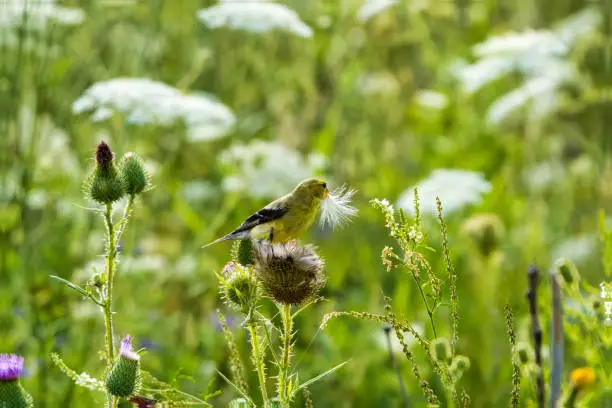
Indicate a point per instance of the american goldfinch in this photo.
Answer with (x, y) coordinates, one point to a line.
(286, 218)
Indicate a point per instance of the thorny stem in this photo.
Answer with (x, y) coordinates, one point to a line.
(258, 360)
(111, 252)
(283, 380)
(110, 266)
(114, 234)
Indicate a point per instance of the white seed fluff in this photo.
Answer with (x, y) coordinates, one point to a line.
(336, 209)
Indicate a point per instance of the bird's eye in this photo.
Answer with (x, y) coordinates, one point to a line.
(324, 185)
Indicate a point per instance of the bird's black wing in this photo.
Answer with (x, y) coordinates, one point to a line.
(262, 216)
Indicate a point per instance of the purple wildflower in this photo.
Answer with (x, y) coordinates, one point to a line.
(11, 367)
(126, 349)
(104, 156)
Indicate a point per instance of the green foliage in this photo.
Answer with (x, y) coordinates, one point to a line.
(517, 93)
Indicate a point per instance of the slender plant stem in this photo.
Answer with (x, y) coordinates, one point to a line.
(429, 311)
(387, 330)
(283, 377)
(258, 360)
(110, 266)
(127, 213)
(111, 252)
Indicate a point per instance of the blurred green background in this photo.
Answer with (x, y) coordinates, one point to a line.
(232, 106)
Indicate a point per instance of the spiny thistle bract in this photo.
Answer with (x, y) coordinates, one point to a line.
(124, 378)
(12, 394)
(242, 252)
(238, 288)
(289, 273)
(133, 175)
(103, 184)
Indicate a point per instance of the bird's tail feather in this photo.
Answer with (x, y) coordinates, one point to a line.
(232, 235)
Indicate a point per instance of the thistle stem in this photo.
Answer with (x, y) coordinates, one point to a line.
(110, 266)
(258, 361)
(111, 252)
(283, 377)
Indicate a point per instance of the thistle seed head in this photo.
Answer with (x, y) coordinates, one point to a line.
(289, 273)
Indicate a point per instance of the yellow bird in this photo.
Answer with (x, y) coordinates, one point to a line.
(287, 217)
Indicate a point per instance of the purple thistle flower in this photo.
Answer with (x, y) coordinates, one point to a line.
(104, 155)
(11, 367)
(126, 349)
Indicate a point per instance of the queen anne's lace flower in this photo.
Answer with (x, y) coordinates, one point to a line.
(266, 169)
(456, 189)
(145, 101)
(38, 14)
(540, 55)
(254, 16)
(371, 8)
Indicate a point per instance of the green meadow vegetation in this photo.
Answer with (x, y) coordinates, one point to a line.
(475, 134)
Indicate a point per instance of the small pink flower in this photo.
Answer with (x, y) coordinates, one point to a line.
(126, 349)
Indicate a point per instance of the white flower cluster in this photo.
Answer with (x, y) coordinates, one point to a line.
(371, 8)
(37, 14)
(388, 211)
(455, 188)
(414, 234)
(578, 248)
(145, 101)
(256, 16)
(540, 55)
(87, 381)
(267, 169)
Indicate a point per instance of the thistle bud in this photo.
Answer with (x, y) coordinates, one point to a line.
(238, 287)
(568, 271)
(12, 393)
(485, 230)
(289, 273)
(442, 350)
(124, 378)
(133, 175)
(103, 183)
(243, 252)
